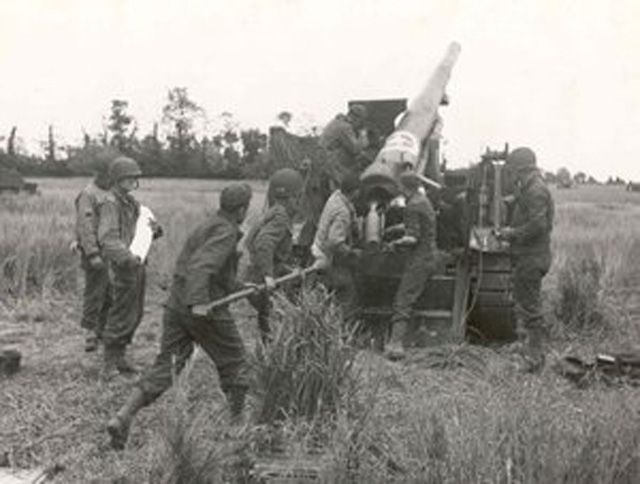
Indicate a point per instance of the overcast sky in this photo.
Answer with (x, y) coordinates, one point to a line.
(562, 76)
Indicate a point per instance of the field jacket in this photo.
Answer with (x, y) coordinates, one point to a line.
(117, 226)
(337, 227)
(343, 148)
(420, 223)
(532, 218)
(207, 265)
(269, 244)
(88, 203)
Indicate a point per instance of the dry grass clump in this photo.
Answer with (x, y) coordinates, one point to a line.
(306, 371)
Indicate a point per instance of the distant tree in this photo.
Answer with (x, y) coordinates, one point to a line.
(179, 115)
(549, 177)
(563, 178)
(580, 178)
(51, 145)
(11, 142)
(615, 181)
(592, 181)
(121, 126)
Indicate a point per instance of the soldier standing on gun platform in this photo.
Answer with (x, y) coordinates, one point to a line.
(118, 217)
(334, 245)
(530, 236)
(269, 242)
(345, 142)
(420, 241)
(96, 276)
(205, 271)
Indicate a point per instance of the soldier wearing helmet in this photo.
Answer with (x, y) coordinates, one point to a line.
(345, 140)
(269, 241)
(96, 288)
(419, 242)
(205, 270)
(529, 234)
(118, 217)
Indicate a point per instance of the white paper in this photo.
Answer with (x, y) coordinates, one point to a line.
(143, 237)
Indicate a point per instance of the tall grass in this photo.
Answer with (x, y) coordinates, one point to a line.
(306, 371)
(596, 259)
(35, 254)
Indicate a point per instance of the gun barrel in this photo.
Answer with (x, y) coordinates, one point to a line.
(421, 119)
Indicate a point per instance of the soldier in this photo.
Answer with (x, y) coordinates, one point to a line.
(334, 244)
(345, 141)
(530, 236)
(269, 242)
(420, 242)
(96, 277)
(118, 217)
(205, 271)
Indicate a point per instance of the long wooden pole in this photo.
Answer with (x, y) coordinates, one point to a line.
(244, 293)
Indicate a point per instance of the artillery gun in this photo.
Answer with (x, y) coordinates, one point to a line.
(471, 294)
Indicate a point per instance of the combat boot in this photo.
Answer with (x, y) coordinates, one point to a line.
(533, 355)
(110, 367)
(394, 350)
(91, 341)
(123, 366)
(119, 425)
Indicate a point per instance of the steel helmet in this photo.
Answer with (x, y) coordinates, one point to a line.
(358, 111)
(102, 160)
(124, 167)
(235, 196)
(285, 183)
(521, 159)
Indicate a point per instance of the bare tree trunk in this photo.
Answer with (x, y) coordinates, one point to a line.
(51, 145)
(11, 147)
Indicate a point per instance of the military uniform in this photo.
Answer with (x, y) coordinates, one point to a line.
(205, 271)
(333, 250)
(96, 289)
(532, 221)
(118, 217)
(420, 223)
(269, 243)
(343, 148)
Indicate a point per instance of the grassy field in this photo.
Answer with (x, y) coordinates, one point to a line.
(459, 414)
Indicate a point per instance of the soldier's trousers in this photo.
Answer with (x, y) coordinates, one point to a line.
(217, 335)
(339, 280)
(96, 297)
(127, 305)
(418, 270)
(528, 272)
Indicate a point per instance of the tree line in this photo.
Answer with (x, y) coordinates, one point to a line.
(173, 148)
